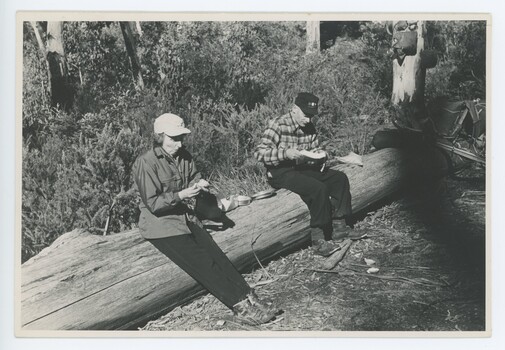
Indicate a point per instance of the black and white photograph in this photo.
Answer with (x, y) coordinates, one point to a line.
(268, 175)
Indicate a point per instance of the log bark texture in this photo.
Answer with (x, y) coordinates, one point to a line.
(84, 281)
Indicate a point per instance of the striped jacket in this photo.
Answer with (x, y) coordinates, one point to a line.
(283, 133)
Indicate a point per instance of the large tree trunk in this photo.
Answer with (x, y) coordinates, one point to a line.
(61, 93)
(43, 53)
(36, 31)
(131, 49)
(313, 37)
(85, 281)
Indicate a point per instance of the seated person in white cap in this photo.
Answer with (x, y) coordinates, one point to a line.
(166, 177)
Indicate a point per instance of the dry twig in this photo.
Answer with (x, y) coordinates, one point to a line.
(333, 260)
(253, 240)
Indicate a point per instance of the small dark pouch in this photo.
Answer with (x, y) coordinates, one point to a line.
(206, 207)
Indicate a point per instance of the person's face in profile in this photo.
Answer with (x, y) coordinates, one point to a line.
(171, 144)
(300, 118)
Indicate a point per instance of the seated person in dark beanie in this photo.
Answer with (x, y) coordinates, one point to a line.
(166, 178)
(325, 191)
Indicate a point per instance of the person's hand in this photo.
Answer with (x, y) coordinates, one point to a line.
(203, 185)
(189, 192)
(294, 154)
(318, 150)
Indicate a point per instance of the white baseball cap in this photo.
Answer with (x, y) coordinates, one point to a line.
(170, 124)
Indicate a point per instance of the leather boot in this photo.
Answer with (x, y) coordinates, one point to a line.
(255, 311)
(320, 245)
(324, 248)
(341, 231)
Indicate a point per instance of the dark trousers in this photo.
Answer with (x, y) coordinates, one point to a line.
(327, 194)
(201, 258)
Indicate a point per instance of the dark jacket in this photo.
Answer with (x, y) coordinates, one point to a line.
(159, 177)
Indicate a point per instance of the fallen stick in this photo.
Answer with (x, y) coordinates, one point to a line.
(421, 281)
(333, 260)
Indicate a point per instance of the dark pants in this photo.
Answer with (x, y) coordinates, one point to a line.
(327, 194)
(201, 258)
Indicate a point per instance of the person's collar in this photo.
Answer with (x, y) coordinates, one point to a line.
(161, 153)
(294, 124)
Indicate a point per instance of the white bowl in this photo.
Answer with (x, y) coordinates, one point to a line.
(243, 200)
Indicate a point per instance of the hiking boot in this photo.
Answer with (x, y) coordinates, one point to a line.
(338, 236)
(350, 234)
(324, 248)
(264, 303)
(341, 231)
(255, 311)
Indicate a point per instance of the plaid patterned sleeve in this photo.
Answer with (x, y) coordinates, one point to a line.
(268, 151)
(315, 143)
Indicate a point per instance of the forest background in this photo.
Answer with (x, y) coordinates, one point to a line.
(227, 80)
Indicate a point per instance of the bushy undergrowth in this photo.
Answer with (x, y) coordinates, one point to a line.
(227, 80)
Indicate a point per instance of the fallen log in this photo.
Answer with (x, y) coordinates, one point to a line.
(89, 282)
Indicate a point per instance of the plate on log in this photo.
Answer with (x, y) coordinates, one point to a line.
(263, 194)
(314, 155)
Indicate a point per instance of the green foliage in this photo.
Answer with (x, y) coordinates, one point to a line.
(229, 61)
(36, 105)
(82, 169)
(461, 72)
(377, 45)
(226, 79)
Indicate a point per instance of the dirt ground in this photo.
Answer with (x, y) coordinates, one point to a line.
(429, 247)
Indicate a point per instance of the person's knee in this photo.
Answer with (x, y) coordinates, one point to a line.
(306, 187)
(345, 179)
(320, 190)
(339, 176)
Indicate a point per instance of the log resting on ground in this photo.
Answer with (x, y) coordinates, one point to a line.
(89, 282)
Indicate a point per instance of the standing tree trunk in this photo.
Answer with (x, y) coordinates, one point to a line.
(313, 37)
(131, 49)
(139, 28)
(43, 51)
(42, 48)
(61, 93)
(408, 73)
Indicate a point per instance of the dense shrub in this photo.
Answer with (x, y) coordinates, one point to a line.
(461, 71)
